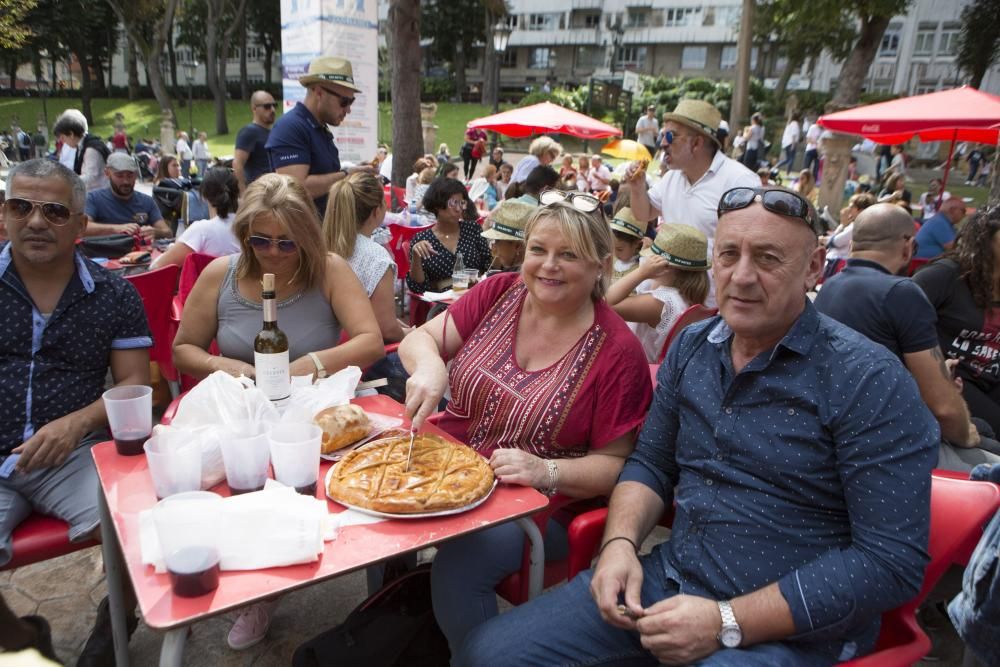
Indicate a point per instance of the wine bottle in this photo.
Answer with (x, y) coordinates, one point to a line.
(270, 348)
(459, 263)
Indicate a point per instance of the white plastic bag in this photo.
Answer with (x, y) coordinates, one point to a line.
(309, 399)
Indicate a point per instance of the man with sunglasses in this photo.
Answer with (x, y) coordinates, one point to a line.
(250, 158)
(301, 144)
(699, 173)
(65, 322)
(871, 297)
(797, 456)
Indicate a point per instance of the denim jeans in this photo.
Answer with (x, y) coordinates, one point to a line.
(789, 160)
(564, 627)
(466, 571)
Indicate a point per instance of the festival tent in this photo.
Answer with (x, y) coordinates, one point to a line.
(545, 118)
(958, 114)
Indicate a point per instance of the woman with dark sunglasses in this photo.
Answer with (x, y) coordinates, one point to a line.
(319, 296)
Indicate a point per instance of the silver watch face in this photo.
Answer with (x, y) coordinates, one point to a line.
(730, 637)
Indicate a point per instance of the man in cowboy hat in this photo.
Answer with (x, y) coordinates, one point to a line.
(699, 172)
(301, 144)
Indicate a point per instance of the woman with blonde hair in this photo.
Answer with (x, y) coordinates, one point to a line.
(838, 242)
(806, 186)
(546, 381)
(542, 151)
(357, 208)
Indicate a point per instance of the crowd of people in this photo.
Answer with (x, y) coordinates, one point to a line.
(795, 439)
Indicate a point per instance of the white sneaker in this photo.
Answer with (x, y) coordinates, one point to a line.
(251, 625)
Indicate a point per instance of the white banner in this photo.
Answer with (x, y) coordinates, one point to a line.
(343, 28)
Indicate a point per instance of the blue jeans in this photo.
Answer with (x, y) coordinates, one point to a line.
(812, 161)
(789, 160)
(466, 571)
(564, 627)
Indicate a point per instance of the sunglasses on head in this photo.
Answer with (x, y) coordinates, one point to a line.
(55, 213)
(581, 201)
(265, 243)
(344, 101)
(781, 202)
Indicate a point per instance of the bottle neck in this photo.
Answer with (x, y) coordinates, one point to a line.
(270, 305)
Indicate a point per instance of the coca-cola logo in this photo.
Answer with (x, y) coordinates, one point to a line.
(871, 128)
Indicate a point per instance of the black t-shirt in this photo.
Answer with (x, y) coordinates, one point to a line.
(252, 138)
(966, 332)
(888, 309)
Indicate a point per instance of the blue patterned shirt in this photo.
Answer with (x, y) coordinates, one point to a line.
(52, 364)
(810, 467)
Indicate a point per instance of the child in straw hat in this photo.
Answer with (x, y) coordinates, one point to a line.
(506, 233)
(628, 233)
(672, 276)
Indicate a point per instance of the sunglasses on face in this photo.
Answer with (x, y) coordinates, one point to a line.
(265, 243)
(670, 136)
(781, 202)
(344, 101)
(270, 105)
(55, 213)
(581, 201)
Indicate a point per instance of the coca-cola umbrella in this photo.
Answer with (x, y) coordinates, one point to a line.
(958, 114)
(545, 118)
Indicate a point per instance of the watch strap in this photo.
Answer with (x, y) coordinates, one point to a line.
(320, 368)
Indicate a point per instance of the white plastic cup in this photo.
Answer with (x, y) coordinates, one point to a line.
(175, 466)
(295, 450)
(473, 276)
(246, 457)
(187, 526)
(130, 416)
(460, 281)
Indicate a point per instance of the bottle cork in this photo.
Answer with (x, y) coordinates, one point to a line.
(268, 282)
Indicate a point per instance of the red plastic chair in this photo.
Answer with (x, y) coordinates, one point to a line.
(157, 291)
(916, 264)
(39, 538)
(194, 264)
(695, 313)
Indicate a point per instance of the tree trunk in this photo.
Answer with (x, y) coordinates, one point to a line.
(852, 74)
(12, 73)
(268, 59)
(741, 91)
(172, 59)
(97, 69)
(212, 68)
(151, 50)
(112, 39)
(459, 72)
(244, 84)
(790, 68)
(491, 87)
(407, 137)
(994, 198)
(133, 71)
(86, 89)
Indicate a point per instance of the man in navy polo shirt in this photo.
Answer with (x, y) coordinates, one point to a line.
(65, 323)
(300, 143)
(250, 158)
(872, 299)
(119, 209)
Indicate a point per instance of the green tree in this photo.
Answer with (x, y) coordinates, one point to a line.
(874, 17)
(264, 22)
(14, 32)
(979, 41)
(453, 27)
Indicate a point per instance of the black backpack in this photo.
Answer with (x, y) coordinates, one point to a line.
(395, 627)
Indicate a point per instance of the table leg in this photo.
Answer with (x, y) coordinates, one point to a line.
(113, 571)
(172, 651)
(536, 573)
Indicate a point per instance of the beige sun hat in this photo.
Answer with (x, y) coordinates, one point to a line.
(697, 115)
(509, 220)
(625, 222)
(330, 69)
(682, 246)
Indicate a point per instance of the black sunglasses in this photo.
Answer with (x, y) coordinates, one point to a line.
(269, 105)
(265, 243)
(21, 209)
(581, 201)
(782, 202)
(344, 101)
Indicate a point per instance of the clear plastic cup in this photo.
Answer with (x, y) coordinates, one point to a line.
(295, 452)
(459, 281)
(174, 465)
(130, 416)
(473, 276)
(187, 526)
(246, 457)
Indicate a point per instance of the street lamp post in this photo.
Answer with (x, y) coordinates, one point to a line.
(189, 69)
(501, 38)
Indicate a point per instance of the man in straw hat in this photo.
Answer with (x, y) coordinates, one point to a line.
(300, 144)
(799, 456)
(871, 298)
(506, 234)
(699, 172)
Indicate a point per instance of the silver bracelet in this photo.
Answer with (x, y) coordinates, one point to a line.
(553, 469)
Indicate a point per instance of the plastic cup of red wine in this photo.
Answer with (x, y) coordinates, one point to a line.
(295, 452)
(130, 416)
(246, 456)
(187, 529)
(174, 465)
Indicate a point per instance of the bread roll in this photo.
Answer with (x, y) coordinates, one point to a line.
(342, 425)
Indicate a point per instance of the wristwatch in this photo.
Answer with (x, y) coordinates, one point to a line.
(730, 636)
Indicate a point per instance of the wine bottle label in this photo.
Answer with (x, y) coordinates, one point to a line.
(272, 374)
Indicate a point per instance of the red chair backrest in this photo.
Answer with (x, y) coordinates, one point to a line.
(695, 313)
(399, 245)
(157, 291)
(194, 264)
(916, 264)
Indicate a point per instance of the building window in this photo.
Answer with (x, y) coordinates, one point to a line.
(694, 57)
(924, 88)
(589, 57)
(542, 58)
(923, 45)
(890, 41)
(509, 59)
(542, 21)
(948, 46)
(682, 16)
(512, 21)
(637, 18)
(728, 59)
(728, 17)
(631, 56)
(591, 20)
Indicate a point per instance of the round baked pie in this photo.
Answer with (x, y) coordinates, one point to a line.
(443, 475)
